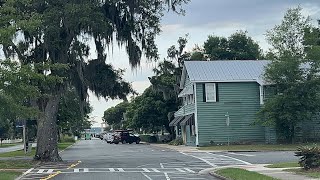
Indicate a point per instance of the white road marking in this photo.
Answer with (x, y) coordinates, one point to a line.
(85, 170)
(161, 165)
(247, 163)
(50, 171)
(211, 164)
(155, 170)
(180, 170)
(29, 170)
(111, 170)
(149, 178)
(120, 170)
(40, 171)
(166, 175)
(189, 170)
(238, 154)
(145, 170)
(76, 170)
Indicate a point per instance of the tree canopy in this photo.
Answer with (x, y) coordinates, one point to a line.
(238, 46)
(64, 31)
(294, 76)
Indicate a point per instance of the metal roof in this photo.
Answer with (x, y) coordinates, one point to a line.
(226, 70)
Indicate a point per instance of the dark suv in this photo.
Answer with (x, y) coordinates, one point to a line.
(124, 136)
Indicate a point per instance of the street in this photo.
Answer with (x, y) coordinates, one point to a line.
(96, 159)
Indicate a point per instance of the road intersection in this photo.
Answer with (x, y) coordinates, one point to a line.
(95, 159)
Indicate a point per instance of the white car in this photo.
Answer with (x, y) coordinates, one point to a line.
(108, 137)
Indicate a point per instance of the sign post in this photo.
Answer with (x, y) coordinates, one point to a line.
(228, 126)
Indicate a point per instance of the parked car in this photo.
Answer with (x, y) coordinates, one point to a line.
(109, 137)
(124, 136)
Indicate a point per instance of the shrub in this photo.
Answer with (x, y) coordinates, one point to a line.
(67, 139)
(309, 156)
(176, 142)
(148, 138)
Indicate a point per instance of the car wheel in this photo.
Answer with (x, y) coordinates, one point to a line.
(138, 141)
(130, 142)
(124, 142)
(116, 142)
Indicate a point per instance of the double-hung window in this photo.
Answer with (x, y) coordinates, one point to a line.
(210, 89)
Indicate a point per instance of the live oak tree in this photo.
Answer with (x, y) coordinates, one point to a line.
(294, 73)
(64, 31)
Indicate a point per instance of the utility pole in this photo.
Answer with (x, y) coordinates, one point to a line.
(24, 138)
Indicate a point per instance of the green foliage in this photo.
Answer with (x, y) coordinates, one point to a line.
(148, 138)
(58, 32)
(67, 139)
(114, 115)
(296, 78)
(309, 157)
(239, 46)
(73, 114)
(176, 142)
(288, 37)
(149, 111)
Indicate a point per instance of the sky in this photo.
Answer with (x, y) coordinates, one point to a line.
(203, 18)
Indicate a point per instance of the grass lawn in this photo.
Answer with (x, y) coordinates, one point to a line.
(16, 164)
(61, 146)
(9, 175)
(283, 165)
(9, 145)
(256, 147)
(310, 173)
(241, 174)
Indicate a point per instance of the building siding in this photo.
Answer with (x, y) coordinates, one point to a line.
(241, 102)
(185, 110)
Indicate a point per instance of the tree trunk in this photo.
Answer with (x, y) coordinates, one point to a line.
(47, 134)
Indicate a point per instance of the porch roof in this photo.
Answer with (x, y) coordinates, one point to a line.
(186, 119)
(175, 121)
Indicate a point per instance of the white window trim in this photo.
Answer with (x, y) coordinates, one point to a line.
(215, 93)
(261, 93)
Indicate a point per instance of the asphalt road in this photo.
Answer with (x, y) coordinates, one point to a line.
(96, 159)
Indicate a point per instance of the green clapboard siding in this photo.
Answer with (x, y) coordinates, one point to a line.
(185, 110)
(241, 102)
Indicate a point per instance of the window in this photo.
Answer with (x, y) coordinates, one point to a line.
(210, 92)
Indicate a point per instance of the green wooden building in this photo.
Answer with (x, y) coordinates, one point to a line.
(220, 103)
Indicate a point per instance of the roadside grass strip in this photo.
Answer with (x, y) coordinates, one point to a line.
(16, 164)
(9, 175)
(255, 147)
(313, 173)
(9, 145)
(61, 147)
(283, 165)
(241, 174)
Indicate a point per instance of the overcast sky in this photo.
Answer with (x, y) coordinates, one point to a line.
(205, 17)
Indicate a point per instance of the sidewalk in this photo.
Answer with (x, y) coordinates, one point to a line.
(272, 172)
(276, 172)
(182, 148)
(14, 148)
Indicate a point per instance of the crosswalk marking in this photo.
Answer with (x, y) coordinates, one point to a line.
(146, 170)
(180, 170)
(155, 170)
(50, 171)
(76, 170)
(189, 170)
(112, 170)
(41, 171)
(85, 170)
(120, 170)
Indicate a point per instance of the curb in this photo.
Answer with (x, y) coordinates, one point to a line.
(67, 147)
(218, 176)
